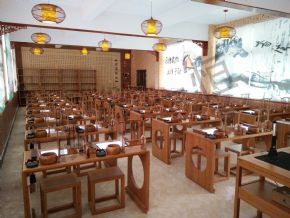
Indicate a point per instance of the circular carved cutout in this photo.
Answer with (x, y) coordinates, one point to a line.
(198, 159)
(138, 172)
(159, 139)
(179, 128)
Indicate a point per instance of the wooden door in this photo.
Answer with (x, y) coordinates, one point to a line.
(141, 79)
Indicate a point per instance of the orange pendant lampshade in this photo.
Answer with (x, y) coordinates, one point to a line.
(40, 38)
(36, 50)
(225, 32)
(105, 45)
(151, 27)
(48, 13)
(159, 47)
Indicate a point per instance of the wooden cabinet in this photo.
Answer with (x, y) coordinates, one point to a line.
(64, 80)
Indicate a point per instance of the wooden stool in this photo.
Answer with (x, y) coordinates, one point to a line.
(226, 156)
(239, 150)
(148, 127)
(103, 175)
(177, 134)
(174, 137)
(45, 173)
(57, 183)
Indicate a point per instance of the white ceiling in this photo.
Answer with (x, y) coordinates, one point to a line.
(181, 19)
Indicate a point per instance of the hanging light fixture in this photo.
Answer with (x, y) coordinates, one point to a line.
(160, 46)
(84, 51)
(48, 13)
(151, 27)
(225, 32)
(40, 38)
(36, 50)
(105, 45)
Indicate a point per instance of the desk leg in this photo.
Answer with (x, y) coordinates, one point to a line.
(139, 195)
(237, 199)
(268, 141)
(26, 198)
(26, 146)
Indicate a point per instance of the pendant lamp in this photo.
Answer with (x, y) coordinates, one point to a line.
(160, 46)
(40, 38)
(36, 50)
(48, 13)
(105, 45)
(225, 32)
(151, 27)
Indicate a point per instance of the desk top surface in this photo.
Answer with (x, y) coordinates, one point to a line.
(80, 158)
(263, 168)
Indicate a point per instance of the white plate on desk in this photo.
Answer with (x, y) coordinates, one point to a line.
(62, 151)
(249, 112)
(50, 131)
(283, 121)
(209, 131)
(44, 111)
(104, 145)
(166, 119)
(49, 119)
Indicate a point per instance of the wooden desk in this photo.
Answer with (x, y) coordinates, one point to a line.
(48, 121)
(140, 116)
(83, 119)
(57, 135)
(122, 115)
(206, 148)
(162, 149)
(52, 135)
(258, 193)
(283, 129)
(278, 115)
(139, 195)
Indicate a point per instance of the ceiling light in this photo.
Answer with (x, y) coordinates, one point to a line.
(160, 46)
(105, 45)
(151, 27)
(40, 38)
(48, 13)
(36, 50)
(225, 32)
(84, 51)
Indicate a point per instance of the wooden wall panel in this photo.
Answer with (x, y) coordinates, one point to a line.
(106, 64)
(145, 60)
(6, 123)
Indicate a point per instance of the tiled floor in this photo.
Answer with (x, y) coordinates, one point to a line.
(171, 193)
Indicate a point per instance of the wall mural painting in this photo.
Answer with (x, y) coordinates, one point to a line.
(8, 66)
(2, 81)
(182, 66)
(255, 62)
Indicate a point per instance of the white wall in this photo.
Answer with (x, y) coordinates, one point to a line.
(278, 5)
